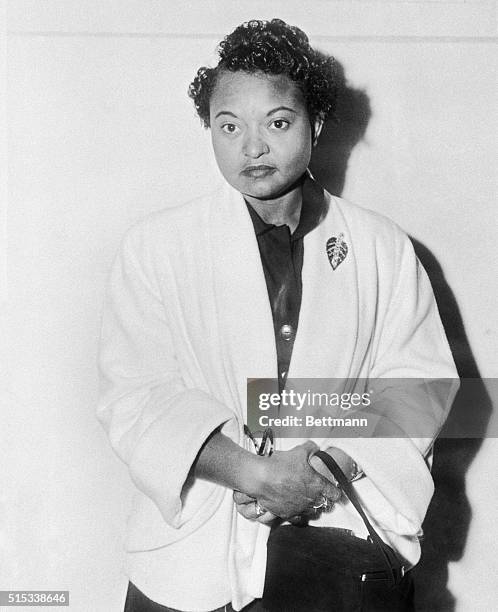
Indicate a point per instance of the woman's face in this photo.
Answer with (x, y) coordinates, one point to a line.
(260, 132)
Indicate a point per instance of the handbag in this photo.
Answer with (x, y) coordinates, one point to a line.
(323, 569)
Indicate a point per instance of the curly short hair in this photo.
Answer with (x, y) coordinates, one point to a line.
(272, 47)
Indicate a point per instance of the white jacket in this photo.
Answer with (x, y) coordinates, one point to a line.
(188, 320)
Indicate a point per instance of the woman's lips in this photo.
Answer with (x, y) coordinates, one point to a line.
(258, 171)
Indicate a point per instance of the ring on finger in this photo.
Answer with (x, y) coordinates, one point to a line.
(324, 504)
(259, 510)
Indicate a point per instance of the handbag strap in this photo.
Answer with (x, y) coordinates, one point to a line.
(396, 569)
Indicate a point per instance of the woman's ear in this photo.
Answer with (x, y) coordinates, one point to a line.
(316, 132)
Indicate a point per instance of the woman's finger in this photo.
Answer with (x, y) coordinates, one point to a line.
(253, 513)
(267, 518)
(242, 498)
(247, 511)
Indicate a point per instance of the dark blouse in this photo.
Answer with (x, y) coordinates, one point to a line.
(282, 256)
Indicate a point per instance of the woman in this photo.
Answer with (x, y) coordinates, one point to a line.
(270, 278)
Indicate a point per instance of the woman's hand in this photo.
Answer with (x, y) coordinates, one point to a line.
(288, 486)
(284, 484)
(251, 510)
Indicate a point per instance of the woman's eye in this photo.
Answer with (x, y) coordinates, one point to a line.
(229, 128)
(280, 124)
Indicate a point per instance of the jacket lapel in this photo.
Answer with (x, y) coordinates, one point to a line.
(329, 318)
(243, 306)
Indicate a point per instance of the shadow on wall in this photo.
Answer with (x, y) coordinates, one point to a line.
(449, 515)
(447, 522)
(340, 135)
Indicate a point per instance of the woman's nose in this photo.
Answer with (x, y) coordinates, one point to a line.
(254, 145)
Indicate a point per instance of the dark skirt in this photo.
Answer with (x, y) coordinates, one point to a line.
(303, 576)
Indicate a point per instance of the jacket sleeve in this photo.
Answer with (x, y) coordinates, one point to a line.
(413, 382)
(156, 424)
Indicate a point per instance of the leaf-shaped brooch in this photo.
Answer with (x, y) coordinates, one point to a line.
(337, 249)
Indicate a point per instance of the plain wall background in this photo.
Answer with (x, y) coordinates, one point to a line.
(100, 132)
